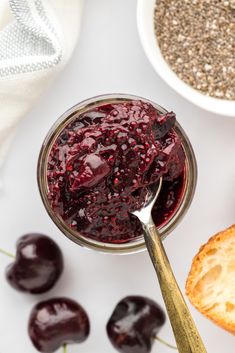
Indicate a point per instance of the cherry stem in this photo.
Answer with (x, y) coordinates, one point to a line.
(165, 343)
(7, 253)
(65, 348)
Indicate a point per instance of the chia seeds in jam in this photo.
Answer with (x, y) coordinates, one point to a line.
(101, 164)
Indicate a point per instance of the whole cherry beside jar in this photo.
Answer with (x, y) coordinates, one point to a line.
(97, 162)
(134, 325)
(57, 322)
(37, 265)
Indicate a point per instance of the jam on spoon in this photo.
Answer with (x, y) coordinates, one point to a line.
(101, 164)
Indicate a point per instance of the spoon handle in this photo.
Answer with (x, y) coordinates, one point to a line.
(186, 334)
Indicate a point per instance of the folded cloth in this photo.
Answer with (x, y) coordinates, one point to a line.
(37, 38)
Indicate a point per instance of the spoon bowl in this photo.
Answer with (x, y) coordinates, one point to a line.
(145, 212)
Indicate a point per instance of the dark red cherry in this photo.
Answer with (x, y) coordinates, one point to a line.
(134, 324)
(164, 124)
(57, 322)
(38, 264)
(92, 169)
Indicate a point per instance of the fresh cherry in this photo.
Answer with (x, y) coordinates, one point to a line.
(134, 324)
(38, 264)
(57, 322)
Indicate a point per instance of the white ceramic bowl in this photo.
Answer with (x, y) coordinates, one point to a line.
(145, 22)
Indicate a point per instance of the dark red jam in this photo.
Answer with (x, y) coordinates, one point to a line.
(101, 164)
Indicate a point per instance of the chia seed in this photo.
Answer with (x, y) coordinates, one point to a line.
(197, 40)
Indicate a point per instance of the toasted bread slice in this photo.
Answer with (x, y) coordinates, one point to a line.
(211, 282)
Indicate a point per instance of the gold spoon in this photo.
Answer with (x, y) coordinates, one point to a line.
(186, 334)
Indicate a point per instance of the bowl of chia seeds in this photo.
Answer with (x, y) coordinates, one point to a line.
(191, 45)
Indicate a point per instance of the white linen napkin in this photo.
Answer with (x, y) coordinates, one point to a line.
(37, 38)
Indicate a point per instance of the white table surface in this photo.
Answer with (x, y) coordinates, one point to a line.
(109, 58)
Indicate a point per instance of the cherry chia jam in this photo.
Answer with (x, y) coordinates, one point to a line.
(101, 163)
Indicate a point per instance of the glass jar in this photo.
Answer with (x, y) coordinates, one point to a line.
(134, 245)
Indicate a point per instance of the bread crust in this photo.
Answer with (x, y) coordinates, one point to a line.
(195, 270)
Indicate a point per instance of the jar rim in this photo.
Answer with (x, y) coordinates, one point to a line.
(134, 245)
